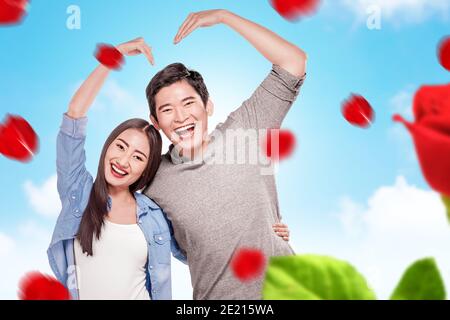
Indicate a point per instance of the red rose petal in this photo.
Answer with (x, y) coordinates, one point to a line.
(12, 11)
(431, 134)
(37, 286)
(294, 9)
(357, 111)
(279, 144)
(432, 100)
(109, 56)
(444, 53)
(18, 140)
(248, 264)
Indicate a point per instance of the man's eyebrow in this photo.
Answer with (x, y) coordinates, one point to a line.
(129, 146)
(168, 104)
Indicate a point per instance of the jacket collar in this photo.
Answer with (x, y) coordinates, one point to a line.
(143, 204)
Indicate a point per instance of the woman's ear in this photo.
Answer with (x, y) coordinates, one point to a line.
(154, 122)
(210, 107)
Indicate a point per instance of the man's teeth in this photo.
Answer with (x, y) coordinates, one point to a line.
(184, 130)
(117, 170)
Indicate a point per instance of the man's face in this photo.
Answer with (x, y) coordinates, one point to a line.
(182, 116)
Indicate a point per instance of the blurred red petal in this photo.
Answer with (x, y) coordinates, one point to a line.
(279, 144)
(18, 140)
(248, 264)
(444, 53)
(357, 111)
(109, 56)
(294, 9)
(37, 286)
(12, 11)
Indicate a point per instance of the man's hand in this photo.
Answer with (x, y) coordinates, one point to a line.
(282, 230)
(199, 19)
(135, 47)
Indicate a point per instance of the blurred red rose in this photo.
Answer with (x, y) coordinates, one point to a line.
(431, 134)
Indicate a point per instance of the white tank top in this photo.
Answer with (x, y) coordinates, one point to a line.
(116, 271)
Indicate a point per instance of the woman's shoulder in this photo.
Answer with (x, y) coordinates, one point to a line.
(145, 202)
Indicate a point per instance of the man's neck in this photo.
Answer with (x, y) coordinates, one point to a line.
(194, 153)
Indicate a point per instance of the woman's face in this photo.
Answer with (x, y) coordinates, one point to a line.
(126, 158)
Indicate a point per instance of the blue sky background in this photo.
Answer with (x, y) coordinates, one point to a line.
(42, 62)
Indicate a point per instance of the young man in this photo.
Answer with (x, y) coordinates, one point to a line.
(218, 203)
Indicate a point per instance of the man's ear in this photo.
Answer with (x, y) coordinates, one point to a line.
(154, 122)
(210, 107)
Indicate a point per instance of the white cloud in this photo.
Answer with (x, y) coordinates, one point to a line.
(27, 252)
(44, 198)
(6, 245)
(398, 225)
(401, 11)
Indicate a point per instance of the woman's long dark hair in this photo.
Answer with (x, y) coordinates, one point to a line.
(96, 209)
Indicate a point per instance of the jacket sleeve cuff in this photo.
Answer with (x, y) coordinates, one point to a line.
(75, 128)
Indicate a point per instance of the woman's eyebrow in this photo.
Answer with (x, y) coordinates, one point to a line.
(124, 142)
(129, 146)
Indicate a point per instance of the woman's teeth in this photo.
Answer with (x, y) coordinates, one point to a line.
(118, 171)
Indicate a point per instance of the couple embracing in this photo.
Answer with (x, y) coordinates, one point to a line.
(115, 235)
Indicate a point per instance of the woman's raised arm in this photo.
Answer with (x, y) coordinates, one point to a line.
(85, 95)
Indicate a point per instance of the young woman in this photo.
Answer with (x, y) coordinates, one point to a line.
(110, 241)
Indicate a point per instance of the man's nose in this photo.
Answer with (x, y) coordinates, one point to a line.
(181, 115)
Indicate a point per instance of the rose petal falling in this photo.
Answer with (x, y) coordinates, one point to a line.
(248, 264)
(12, 11)
(357, 111)
(109, 56)
(295, 9)
(18, 140)
(444, 53)
(279, 144)
(38, 286)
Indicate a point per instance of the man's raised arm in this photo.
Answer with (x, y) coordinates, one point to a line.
(276, 49)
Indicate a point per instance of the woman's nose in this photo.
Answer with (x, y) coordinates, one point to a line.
(124, 161)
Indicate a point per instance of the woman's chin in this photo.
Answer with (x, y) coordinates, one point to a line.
(112, 182)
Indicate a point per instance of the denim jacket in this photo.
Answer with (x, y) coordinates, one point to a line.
(74, 187)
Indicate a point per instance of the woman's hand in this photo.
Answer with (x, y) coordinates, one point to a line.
(199, 19)
(85, 95)
(135, 47)
(282, 230)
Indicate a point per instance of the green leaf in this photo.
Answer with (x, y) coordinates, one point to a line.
(446, 201)
(421, 281)
(312, 277)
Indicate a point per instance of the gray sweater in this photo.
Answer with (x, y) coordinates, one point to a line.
(227, 200)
